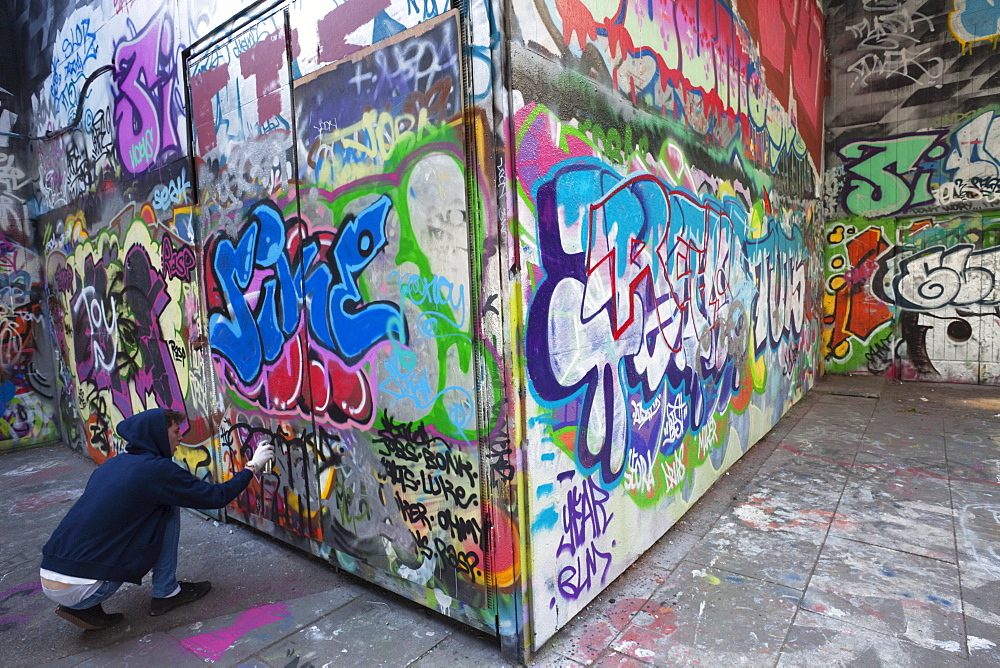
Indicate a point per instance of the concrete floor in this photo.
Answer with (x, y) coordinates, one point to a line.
(863, 530)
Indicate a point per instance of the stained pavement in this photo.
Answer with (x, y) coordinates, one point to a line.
(863, 530)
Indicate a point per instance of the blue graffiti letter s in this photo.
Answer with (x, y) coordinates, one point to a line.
(241, 339)
(353, 326)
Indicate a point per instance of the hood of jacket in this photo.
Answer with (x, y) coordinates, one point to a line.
(146, 433)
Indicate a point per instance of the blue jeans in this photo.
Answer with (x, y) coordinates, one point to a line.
(164, 569)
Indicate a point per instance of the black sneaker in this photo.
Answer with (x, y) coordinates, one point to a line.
(189, 593)
(90, 619)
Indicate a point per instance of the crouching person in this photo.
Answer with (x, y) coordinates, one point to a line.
(128, 522)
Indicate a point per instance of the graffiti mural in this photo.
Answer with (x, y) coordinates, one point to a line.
(696, 63)
(27, 382)
(26, 371)
(496, 299)
(914, 298)
(890, 37)
(974, 21)
(654, 313)
(668, 242)
(922, 142)
(148, 103)
(398, 312)
(910, 189)
(118, 305)
(340, 305)
(923, 171)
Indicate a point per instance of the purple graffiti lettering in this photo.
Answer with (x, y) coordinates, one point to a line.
(575, 579)
(177, 261)
(146, 296)
(64, 279)
(656, 284)
(584, 517)
(145, 107)
(119, 340)
(249, 337)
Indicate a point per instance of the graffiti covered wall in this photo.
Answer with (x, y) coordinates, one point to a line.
(912, 179)
(111, 188)
(914, 298)
(273, 234)
(341, 305)
(27, 383)
(668, 238)
(497, 300)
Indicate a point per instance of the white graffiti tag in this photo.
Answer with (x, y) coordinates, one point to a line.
(889, 35)
(103, 328)
(976, 149)
(639, 474)
(938, 277)
(641, 414)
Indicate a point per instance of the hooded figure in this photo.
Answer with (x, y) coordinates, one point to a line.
(127, 522)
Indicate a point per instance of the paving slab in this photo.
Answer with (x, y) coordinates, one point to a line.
(363, 632)
(934, 396)
(909, 511)
(982, 627)
(857, 385)
(977, 522)
(615, 660)
(973, 457)
(824, 434)
(859, 403)
(755, 552)
(905, 424)
(236, 637)
(817, 452)
(819, 640)
(794, 512)
(791, 471)
(948, 400)
(155, 649)
(924, 450)
(465, 649)
(589, 635)
(550, 659)
(710, 616)
(902, 465)
(977, 530)
(848, 411)
(894, 593)
(957, 424)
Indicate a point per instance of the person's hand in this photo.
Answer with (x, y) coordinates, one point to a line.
(262, 455)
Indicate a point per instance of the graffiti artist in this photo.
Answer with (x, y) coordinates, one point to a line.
(128, 522)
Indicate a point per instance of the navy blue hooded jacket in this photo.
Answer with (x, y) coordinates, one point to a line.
(115, 530)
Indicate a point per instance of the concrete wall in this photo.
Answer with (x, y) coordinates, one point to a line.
(911, 191)
(27, 381)
(293, 252)
(509, 287)
(341, 298)
(667, 235)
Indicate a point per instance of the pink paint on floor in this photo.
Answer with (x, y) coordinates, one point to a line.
(214, 644)
(41, 501)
